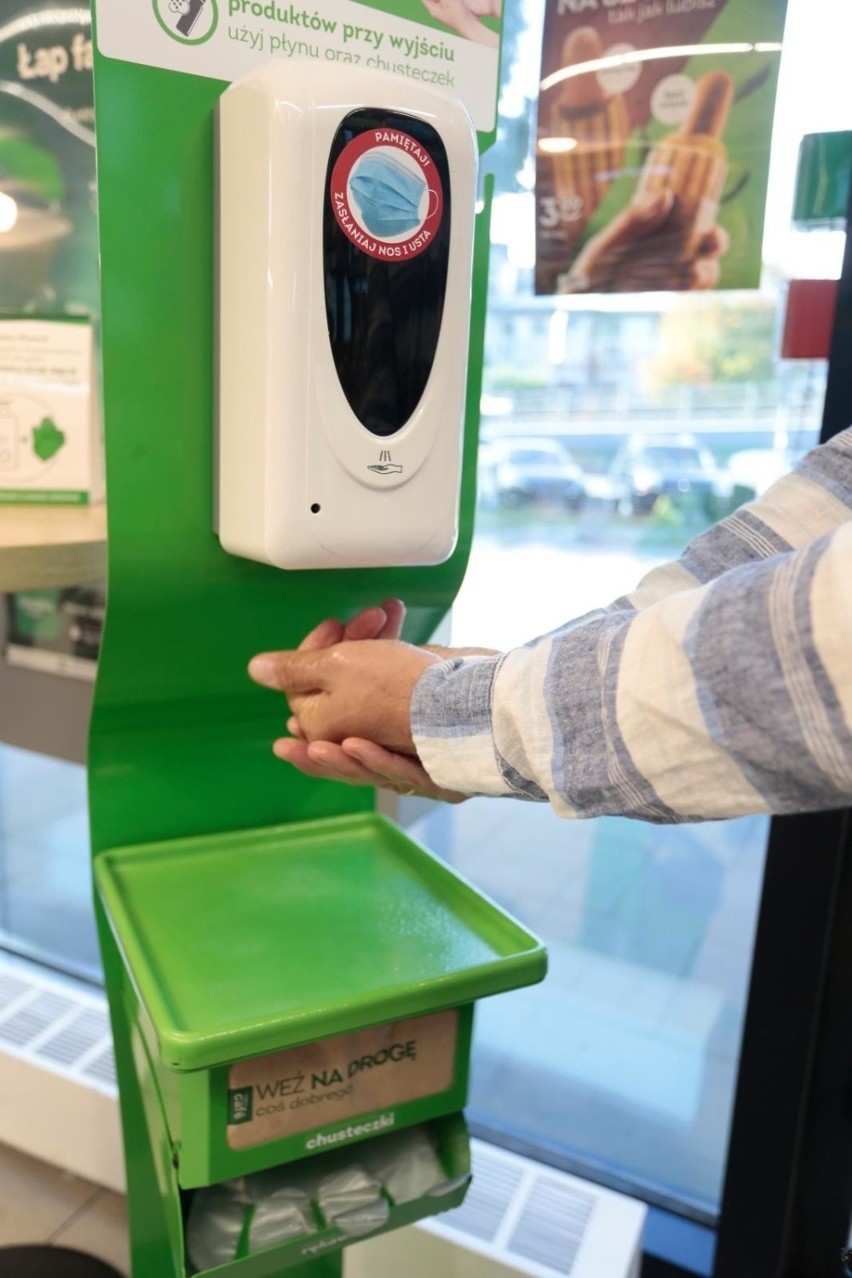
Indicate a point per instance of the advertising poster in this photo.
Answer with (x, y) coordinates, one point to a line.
(48, 229)
(652, 155)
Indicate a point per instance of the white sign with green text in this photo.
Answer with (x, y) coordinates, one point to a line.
(226, 39)
(49, 436)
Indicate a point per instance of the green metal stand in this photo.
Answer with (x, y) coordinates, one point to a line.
(248, 1042)
(180, 738)
(150, 1185)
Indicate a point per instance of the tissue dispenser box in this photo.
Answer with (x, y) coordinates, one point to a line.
(301, 988)
(330, 1201)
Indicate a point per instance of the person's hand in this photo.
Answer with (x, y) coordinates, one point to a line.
(641, 250)
(382, 621)
(462, 19)
(359, 687)
(357, 761)
(485, 8)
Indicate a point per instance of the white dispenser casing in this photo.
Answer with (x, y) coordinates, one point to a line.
(302, 481)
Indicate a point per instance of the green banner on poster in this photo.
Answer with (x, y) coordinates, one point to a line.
(652, 154)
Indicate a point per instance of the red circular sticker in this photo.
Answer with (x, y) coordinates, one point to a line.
(386, 195)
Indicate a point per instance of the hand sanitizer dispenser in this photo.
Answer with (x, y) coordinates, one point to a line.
(346, 211)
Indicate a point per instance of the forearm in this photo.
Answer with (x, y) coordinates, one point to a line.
(720, 700)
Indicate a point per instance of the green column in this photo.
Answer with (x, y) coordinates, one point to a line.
(180, 738)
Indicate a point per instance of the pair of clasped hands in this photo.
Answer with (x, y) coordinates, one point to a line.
(349, 688)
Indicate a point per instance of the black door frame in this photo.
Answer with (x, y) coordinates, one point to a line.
(787, 1199)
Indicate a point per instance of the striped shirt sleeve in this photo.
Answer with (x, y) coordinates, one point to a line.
(689, 700)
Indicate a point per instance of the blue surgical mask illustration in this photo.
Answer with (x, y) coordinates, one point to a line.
(388, 195)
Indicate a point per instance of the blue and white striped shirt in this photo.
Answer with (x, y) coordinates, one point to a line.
(721, 686)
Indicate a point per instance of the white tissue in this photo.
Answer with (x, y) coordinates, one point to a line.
(352, 1200)
(407, 1164)
(279, 1217)
(213, 1228)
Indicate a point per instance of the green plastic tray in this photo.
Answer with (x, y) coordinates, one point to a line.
(255, 941)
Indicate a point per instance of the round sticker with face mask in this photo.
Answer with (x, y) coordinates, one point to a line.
(387, 195)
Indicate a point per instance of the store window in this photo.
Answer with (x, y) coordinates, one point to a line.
(49, 453)
(46, 912)
(614, 429)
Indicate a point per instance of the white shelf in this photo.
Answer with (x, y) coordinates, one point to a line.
(46, 547)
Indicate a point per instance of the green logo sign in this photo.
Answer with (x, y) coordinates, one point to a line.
(187, 21)
(239, 1105)
(47, 439)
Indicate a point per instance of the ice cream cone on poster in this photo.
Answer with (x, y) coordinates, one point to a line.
(693, 164)
(586, 132)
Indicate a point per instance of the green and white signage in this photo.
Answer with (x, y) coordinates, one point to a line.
(49, 445)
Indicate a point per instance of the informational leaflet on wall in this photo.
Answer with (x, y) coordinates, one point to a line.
(652, 156)
(49, 444)
(226, 39)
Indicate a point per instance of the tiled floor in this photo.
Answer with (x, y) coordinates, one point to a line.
(39, 1204)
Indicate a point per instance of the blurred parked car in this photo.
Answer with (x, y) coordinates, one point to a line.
(752, 470)
(676, 466)
(520, 472)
